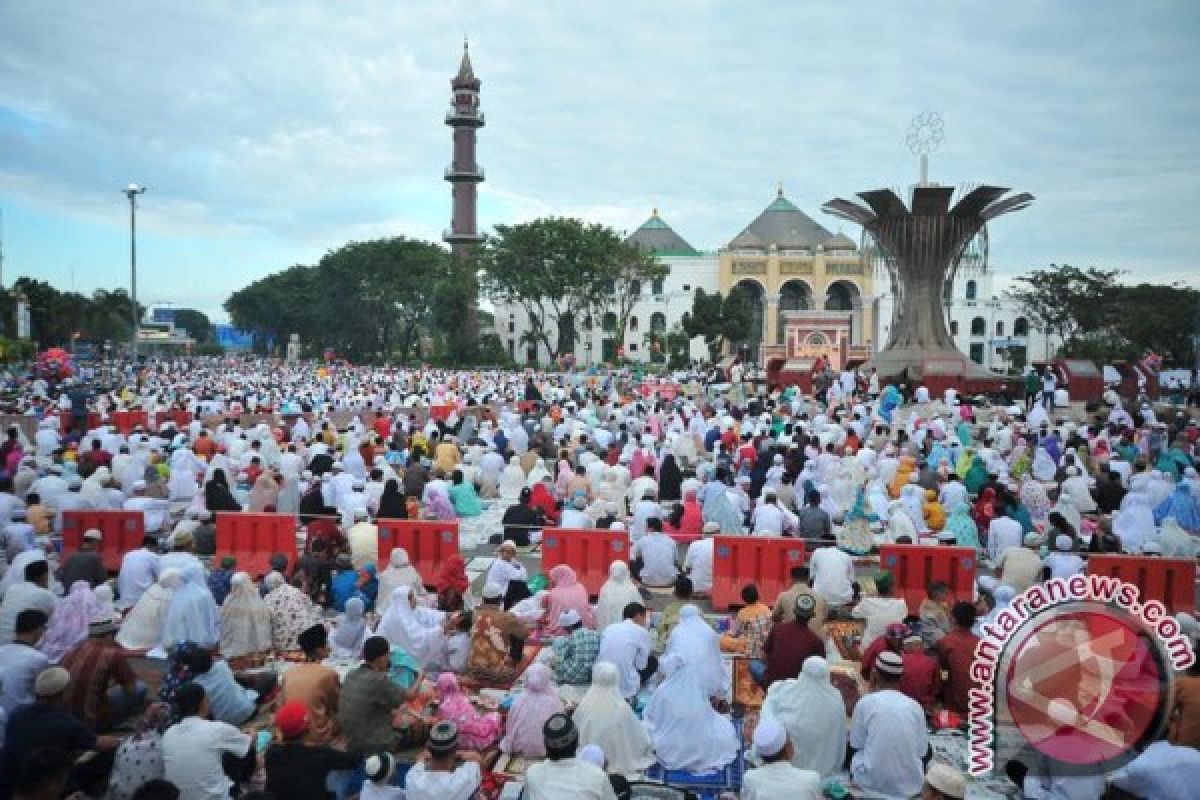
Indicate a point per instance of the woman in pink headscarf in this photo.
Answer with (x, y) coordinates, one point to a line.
(69, 623)
(566, 593)
(264, 497)
(564, 475)
(475, 731)
(439, 507)
(529, 712)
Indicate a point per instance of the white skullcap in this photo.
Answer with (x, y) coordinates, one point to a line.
(769, 737)
(946, 779)
(568, 618)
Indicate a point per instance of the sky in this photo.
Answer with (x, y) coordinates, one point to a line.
(269, 133)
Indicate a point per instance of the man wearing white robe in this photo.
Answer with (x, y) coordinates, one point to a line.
(627, 645)
(889, 735)
(139, 570)
(833, 575)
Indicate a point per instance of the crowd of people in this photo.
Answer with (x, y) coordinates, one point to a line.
(351, 673)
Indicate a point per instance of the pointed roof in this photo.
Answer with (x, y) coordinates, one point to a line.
(465, 79)
(657, 237)
(783, 225)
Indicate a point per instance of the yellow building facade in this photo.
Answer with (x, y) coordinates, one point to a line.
(813, 290)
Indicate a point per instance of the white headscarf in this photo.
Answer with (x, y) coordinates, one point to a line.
(698, 644)
(399, 572)
(351, 631)
(245, 619)
(814, 715)
(603, 718)
(192, 615)
(15, 573)
(417, 631)
(688, 733)
(142, 628)
(616, 593)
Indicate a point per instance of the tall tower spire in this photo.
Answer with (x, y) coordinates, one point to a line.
(464, 174)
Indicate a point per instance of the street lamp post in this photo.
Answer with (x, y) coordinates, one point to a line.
(132, 191)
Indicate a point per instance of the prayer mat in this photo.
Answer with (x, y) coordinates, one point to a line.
(707, 785)
(846, 633)
(850, 684)
(527, 657)
(745, 690)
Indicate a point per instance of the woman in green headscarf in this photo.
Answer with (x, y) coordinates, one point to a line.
(976, 477)
(966, 533)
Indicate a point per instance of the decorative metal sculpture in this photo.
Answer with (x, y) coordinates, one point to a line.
(922, 246)
(924, 136)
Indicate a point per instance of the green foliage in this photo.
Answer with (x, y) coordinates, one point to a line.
(368, 301)
(1068, 301)
(562, 270)
(54, 316)
(1161, 318)
(719, 319)
(196, 323)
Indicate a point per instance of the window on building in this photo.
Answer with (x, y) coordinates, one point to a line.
(657, 287)
(610, 322)
(978, 327)
(977, 352)
(635, 288)
(633, 348)
(512, 350)
(1021, 327)
(658, 322)
(633, 324)
(687, 287)
(610, 287)
(512, 326)
(972, 290)
(587, 322)
(947, 291)
(954, 327)
(999, 327)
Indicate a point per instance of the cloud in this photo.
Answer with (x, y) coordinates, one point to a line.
(274, 131)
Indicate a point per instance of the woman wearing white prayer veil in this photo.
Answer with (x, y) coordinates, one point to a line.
(899, 523)
(512, 480)
(192, 615)
(142, 628)
(15, 573)
(698, 644)
(350, 632)
(1134, 525)
(538, 472)
(814, 715)
(603, 718)
(417, 631)
(616, 593)
(1066, 507)
(245, 620)
(399, 572)
(688, 734)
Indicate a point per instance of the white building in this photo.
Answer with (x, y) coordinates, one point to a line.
(662, 305)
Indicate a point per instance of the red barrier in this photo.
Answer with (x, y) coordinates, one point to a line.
(1171, 581)
(440, 413)
(427, 542)
(253, 538)
(588, 552)
(122, 530)
(765, 561)
(915, 566)
(177, 416)
(126, 421)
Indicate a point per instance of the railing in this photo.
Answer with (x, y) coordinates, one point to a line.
(455, 173)
(454, 115)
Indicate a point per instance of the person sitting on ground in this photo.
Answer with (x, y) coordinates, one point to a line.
(399, 572)
(604, 718)
(594, 754)
(477, 731)
(935, 612)
(778, 778)
(380, 770)
(529, 712)
(21, 662)
(750, 627)
(785, 605)
(681, 596)
(698, 561)
(316, 568)
(462, 495)
(956, 652)
(1021, 567)
(627, 645)
(85, 563)
(417, 630)
(789, 645)
(232, 698)
(291, 612)
(521, 519)
(443, 771)
(654, 556)
(369, 700)
(566, 593)
(574, 652)
(245, 622)
(814, 714)
(889, 735)
(812, 521)
(104, 689)
(922, 679)
(698, 644)
(453, 586)
(688, 734)
(893, 639)
(315, 685)
(497, 640)
(195, 749)
(562, 776)
(509, 574)
(881, 610)
(296, 768)
(616, 593)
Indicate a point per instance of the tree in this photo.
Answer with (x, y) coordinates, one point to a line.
(558, 270)
(1158, 318)
(1067, 301)
(719, 319)
(196, 324)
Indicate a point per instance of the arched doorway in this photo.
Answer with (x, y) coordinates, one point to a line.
(846, 296)
(794, 295)
(756, 295)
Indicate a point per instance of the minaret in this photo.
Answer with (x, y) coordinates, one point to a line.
(464, 117)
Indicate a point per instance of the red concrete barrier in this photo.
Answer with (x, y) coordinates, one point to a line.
(915, 566)
(1171, 581)
(427, 542)
(588, 552)
(122, 531)
(178, 416)
(765, 561)
(253, 538)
